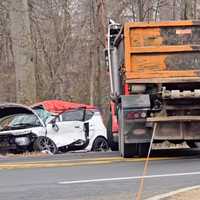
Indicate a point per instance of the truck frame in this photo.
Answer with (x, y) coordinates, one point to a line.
(155, 79)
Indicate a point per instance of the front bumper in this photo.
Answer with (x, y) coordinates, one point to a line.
(10, 142)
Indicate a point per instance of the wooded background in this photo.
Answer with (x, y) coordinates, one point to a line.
(53, 49)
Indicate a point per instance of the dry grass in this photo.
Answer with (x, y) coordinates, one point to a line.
(192, 195)
(164, 145)
(25, 154)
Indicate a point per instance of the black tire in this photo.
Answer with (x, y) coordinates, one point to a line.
(197, 145)
(129, 150)
(113, 145)
(143, 149)
(100, 144)
(45, 144)
(192, 144)
(132, 150)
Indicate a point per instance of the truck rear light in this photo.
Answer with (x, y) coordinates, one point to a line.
(132, 115)
(143, 114)
(135, 115)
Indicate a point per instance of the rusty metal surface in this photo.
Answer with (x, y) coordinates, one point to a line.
(174, 119)
(166, 131)
(162, 50)
(176, 130)
(164, 80)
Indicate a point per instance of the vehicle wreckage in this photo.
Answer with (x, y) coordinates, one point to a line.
(51, 126)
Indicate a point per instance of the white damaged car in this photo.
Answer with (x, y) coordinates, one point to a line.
(36, 129)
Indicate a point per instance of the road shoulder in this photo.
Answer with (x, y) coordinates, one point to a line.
(181, 194)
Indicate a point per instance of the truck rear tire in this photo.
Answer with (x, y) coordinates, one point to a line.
(143, 149)
(191, 144)
(131, 150)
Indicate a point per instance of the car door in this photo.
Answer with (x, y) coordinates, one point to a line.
(96, 125)
(67, 129)
(92, 123)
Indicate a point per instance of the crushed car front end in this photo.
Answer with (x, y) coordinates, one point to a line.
(19, 127)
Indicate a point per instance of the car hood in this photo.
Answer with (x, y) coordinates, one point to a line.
(12, 109)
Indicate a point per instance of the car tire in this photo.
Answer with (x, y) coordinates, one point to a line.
(45, 144)
(100, 144)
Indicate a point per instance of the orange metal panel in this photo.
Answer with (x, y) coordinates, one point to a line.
(127, 49)
(162, 49)
(144, 62)
(145, 37)
(163, 74)
(159, 24)
(152, 50)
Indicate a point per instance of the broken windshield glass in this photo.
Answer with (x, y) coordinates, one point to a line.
(43, 114)
(19, 121)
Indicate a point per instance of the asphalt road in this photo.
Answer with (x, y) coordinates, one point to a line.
(91, 176)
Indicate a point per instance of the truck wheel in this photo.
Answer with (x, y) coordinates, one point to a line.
(113, 145)
(129, 150)
(143, 149)
(45, 144)
(192, 144)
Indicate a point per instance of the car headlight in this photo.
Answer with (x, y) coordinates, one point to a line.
(22, 141)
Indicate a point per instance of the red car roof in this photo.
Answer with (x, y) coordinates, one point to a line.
(59, 106)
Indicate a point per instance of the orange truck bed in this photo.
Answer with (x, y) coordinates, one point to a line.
(162, 51)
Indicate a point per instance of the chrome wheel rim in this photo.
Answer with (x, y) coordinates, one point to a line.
(47, 145)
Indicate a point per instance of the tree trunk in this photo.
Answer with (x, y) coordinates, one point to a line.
(91, 55)
(140, 10)
(174, 9)
(195, 9)
(186, 9)
(23, 52)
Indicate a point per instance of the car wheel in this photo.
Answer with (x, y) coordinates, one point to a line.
(45, 144)
(100, 144)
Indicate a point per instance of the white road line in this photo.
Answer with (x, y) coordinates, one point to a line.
(127, 178)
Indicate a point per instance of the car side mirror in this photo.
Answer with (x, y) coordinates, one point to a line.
(54, 125)
(53, 121)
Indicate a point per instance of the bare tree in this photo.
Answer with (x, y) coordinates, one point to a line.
(22, 49)
(186, 9)
(68, 38)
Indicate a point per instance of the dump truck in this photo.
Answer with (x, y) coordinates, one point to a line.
(154, 72)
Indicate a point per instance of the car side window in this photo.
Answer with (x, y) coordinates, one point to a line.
(88, 115)
(75, 115)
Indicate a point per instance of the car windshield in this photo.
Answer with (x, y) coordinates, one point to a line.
(19, 121)
(43, 114)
